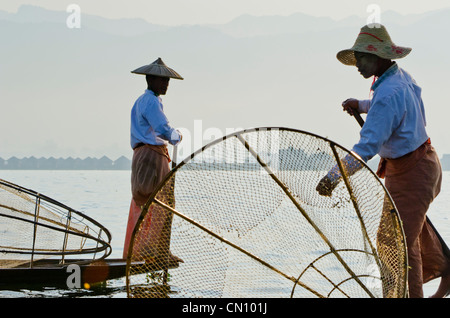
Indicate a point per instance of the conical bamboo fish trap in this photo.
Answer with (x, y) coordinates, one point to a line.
(244, 215)
(35, 227)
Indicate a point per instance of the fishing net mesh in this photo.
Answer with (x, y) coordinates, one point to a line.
(35, 227)
(244, 216)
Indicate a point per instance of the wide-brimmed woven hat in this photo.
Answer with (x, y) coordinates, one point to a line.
(157, 68)
(374, 39)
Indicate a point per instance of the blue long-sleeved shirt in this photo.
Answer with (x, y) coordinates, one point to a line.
(149, 124)
(395, 122)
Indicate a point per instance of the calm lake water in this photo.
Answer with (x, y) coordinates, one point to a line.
(105, 196)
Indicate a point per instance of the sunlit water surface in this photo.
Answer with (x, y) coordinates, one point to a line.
(105, 196)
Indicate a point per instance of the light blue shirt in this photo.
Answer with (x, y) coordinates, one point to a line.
(395, 122)
(149, 124)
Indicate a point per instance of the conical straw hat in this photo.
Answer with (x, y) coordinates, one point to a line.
(373, 39)
(157, 68)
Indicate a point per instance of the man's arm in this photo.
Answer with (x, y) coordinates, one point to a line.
(351, 104)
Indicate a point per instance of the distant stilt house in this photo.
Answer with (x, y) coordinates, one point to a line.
(122, 163)
(12, 163)
(445, 162)
(89, 163)
(66, 164)
(104, 163)
(47, 163)
(30, 163)
(77, 164)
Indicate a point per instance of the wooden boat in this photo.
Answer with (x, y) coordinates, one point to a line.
(48, 244)
(74, 273)
(50, 273)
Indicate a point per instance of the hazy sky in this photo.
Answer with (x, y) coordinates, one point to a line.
(173, 12)
(176, 12)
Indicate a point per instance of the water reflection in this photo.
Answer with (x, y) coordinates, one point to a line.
(111, 289)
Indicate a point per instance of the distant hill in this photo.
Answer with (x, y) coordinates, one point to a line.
(68, 92)
(298, 23)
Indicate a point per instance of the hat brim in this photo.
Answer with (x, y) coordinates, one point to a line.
(347, 57)
(157, 70)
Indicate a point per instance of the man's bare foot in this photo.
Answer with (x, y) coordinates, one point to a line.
(444, 288)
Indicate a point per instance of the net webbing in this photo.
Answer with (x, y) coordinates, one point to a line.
(244, 215)
(34, 227)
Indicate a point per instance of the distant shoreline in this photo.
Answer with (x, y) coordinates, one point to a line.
(89, 163)
(105, 163)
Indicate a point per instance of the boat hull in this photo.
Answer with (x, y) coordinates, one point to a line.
(74, 274)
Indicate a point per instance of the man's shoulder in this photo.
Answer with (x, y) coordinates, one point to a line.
(148, 100)
(398, 83)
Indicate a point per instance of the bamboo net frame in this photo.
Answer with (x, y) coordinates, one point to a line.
(36, 227)
(244, 215)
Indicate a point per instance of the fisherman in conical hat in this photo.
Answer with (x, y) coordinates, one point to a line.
(395, 129)
(150, 135)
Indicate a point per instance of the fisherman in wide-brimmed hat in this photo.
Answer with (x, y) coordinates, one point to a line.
(150, 135)
(395, 129)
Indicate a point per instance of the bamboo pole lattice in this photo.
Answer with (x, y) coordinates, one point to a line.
(246, 220)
